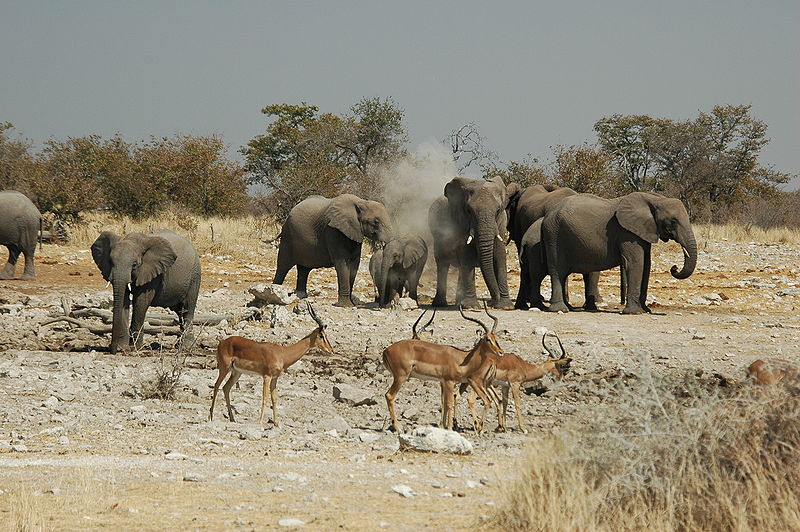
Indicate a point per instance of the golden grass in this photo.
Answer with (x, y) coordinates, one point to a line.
(664, 454)
(746, 233)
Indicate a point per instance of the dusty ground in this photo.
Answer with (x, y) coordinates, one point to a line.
(80, 449)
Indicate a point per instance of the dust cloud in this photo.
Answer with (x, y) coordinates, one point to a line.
(411, 185)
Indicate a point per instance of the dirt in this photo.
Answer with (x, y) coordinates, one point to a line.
(80, 448)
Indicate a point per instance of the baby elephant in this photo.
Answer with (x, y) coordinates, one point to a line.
(398, 266)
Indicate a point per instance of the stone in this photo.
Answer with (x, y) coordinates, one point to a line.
(272, 294)
(435, 440)
(352, 395)
(403, 490)
(368, 437)
(290, 522)
(279, 317)
(251, 433)
(540, 331)
(50, 402)
(406, 303)
(333, 422)
(193, 478)
(172, 455)
(788, 292)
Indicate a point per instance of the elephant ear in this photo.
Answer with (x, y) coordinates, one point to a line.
(101, 252)
(413, 252)
(343, 214)
(635, 213)
(157, 259)
(514, 191)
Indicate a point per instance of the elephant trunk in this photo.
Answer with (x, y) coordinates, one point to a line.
(685, 238)
(120, 326)
(487, 233)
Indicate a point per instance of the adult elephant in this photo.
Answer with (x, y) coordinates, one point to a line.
(20, 223)
(468, 225)
(321, 232)
(398, 267)
(160, 269)
(586, 233)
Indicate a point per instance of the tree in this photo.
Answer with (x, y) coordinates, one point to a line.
(468, 146)
(526, 172)
(16, 161)
(626, 138)
(584, 169)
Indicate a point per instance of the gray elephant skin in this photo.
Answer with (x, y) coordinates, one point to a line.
(586, 233)
(469, 224)
(20, 223)
(525, 207)
(398, 267)
(160, 269)
(321, 232)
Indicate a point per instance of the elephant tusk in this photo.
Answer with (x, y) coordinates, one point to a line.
(685, 253)
(469, 239)
(500, 238)
(108, 283)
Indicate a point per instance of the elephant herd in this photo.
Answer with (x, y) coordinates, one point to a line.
(556, 230)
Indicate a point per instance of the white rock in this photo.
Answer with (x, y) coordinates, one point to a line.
(291, 522)
(50, 402)
(279, 317)
(172, 455)
(368, 437)
(403, 490)
(250, 433)
(352, 395)
(272, 294)
(540, 331)
(435, 440)
(406, 303)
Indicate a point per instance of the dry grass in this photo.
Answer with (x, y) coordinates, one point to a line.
(665, 454)
(217, 236)
(746, 233)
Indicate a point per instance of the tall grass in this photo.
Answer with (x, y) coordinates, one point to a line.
(664, 453)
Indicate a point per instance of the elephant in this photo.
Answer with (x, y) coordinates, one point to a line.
(586, 233)
(321, 232)
(20, 223)
(398, 266)
(468, 225)
(160, 269)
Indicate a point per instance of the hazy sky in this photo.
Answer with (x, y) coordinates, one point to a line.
(529, 74)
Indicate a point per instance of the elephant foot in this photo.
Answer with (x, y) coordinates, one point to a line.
(301, 294)
(471, 303)
(633, 309)
(344, 302)
(439, 302)
(5, 275)
(521, 305)
(558, 307)
(502, 304)
(27, 277)
(590, 306)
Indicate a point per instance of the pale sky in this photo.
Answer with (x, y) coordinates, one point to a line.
(529, 75)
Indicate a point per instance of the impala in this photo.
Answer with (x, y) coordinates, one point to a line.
(446, 364)
(237, 355)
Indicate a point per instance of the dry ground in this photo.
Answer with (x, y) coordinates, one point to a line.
(80, 450)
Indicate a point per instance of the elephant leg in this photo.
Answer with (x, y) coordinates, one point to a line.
(141, 302)
(344, 279)
(352, 272)
(591, 290)
(633, 257)
(301, 288)
(558, 282)
(442, 268)
(501, 300)
(524, 291)
(466, 295)
(8, 269)
(29, 273)
(645, 279)
(623, 288)
(285, 263)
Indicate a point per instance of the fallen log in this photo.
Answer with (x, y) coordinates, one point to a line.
(106, 329)
(107, 316)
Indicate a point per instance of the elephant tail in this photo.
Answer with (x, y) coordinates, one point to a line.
(40, 233)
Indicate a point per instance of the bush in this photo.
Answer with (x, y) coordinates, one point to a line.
(665, 453)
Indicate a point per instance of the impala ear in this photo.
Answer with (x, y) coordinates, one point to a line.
(635, 213)
(157, 258)
(343, 215)
(101, 252)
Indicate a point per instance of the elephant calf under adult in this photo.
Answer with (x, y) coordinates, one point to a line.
(398, 266)
(20, 223)
(586, 233)
(321, 232)
(160, 269)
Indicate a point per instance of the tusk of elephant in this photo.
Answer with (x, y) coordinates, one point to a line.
(469, 239)
(685, 253)
(500, 238)
(108, 283)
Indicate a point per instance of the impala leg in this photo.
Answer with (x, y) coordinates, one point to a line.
(264, 392)
(505, 402)
(448, 391)
(221, 377)
(488, 401)
(390, 396)
(226, 390)
(273, 390)
(518, 405)
(471, 404)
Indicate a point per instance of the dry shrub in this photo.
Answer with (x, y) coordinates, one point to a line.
(665, 453)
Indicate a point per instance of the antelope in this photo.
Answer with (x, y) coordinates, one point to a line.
(237, 355)
(771, 371)
(511, 371)
(447, 364)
